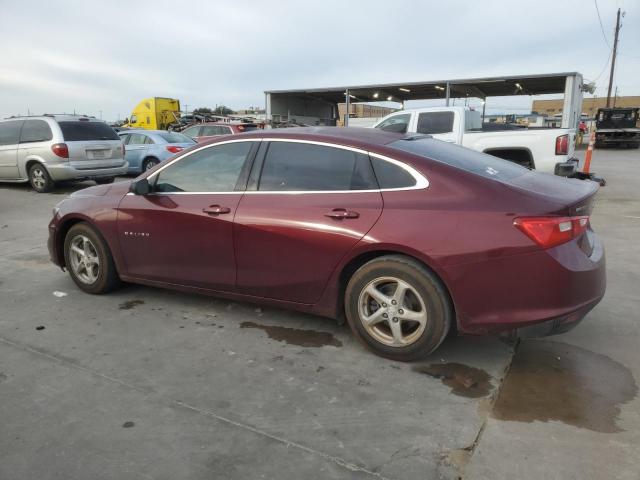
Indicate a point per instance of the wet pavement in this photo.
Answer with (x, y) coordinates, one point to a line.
(149, 383)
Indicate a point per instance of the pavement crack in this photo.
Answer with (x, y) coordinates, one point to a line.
(202, 411)
(465, 454)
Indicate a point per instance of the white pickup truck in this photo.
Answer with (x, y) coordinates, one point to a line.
(544, 149)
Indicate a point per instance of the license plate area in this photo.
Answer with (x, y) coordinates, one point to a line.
(97, 154)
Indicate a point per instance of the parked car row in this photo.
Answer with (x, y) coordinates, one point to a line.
(43, 150)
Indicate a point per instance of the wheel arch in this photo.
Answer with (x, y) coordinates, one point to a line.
(350, 266)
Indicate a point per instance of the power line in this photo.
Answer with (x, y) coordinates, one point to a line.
(595, 2)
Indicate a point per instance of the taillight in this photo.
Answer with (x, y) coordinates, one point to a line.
(173, 149)
(551, 231)
(240, 127)
(60, 149)
(562, 145)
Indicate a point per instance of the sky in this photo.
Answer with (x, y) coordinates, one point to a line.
(102, 57)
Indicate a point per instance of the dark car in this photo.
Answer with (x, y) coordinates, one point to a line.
(210, 130)
(405, 235)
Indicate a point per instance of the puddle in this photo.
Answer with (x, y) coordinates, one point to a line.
(464, 381)
(129, 304)
(555, 381)
(295, 336)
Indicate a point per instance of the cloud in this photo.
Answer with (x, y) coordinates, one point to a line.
(106, 56)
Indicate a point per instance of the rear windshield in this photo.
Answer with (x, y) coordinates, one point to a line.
(174, 137)
(465, 159)
(81, 131)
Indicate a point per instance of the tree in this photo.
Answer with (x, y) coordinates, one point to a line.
(203, 111)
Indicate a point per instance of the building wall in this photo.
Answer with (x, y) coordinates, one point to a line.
(589, 105)
(364, 110)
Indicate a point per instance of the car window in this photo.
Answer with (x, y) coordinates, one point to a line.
(465, 159)
(148, 140)
(125, 138)
(10, 132)
(174, 137)
(292, 166)
(137, 139)
(192, 131)
(397, 123)
(86, 131)
(213, 169)
(35, 131)
(208, 131)
(435, 122)
(390, 175)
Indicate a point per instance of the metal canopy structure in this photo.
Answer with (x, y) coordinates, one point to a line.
(458, 88)
(321, 103)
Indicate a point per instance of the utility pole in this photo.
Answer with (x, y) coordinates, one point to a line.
(615, 96)
(613, 58)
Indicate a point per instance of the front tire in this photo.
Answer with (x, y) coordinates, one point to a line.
(89, 260)
(40, 179)
(398, 308)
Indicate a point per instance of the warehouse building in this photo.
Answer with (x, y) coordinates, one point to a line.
(590, 106)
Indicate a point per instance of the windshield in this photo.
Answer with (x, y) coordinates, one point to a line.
(175, 137)
(82, 131)
(463, 158)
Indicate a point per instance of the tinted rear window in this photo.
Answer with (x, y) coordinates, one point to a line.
(435, 122)
(463, 158)
(301, 166)
(174, 137)
(87, 131)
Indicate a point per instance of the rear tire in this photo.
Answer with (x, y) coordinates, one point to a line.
(89, 261)
(105, 181)
(40, 179)
(149, 163)
(398, 308)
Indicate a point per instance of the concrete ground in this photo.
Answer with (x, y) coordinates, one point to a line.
(148, 383)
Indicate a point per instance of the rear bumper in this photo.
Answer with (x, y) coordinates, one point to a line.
(565, 169)
(553, 288)
(60, 172)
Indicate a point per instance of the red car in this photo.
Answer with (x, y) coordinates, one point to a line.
(406, 236)
(210, 130)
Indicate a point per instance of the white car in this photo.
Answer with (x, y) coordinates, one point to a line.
(545, 149)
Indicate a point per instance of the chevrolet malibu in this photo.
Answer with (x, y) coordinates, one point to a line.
(406, 236)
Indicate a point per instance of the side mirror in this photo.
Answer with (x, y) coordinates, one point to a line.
(140, 187)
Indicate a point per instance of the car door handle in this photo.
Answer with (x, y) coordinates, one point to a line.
(341, 213)
(216, 210)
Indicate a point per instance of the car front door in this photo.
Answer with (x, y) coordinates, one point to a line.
(181, 232)
(310, 205)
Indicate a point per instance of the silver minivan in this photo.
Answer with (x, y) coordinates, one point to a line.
(50, 148)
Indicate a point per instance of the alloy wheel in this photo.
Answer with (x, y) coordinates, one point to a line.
(392, 311)
(37, 177)
(84, 259)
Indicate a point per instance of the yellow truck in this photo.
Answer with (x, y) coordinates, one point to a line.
(155, 113)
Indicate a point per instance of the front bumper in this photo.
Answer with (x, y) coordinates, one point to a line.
(54, 254)
(61, 172)
(565, 169)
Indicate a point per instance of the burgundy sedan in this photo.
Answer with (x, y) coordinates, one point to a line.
(406, 236)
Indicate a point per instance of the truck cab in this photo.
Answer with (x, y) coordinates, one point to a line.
(618, 127)
(544, 149)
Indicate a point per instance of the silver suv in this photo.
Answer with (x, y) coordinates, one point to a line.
(46, 149)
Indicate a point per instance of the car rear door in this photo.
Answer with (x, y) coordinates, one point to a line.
(182, 232)
(310, 204)
(9, 138)
(136, 149)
